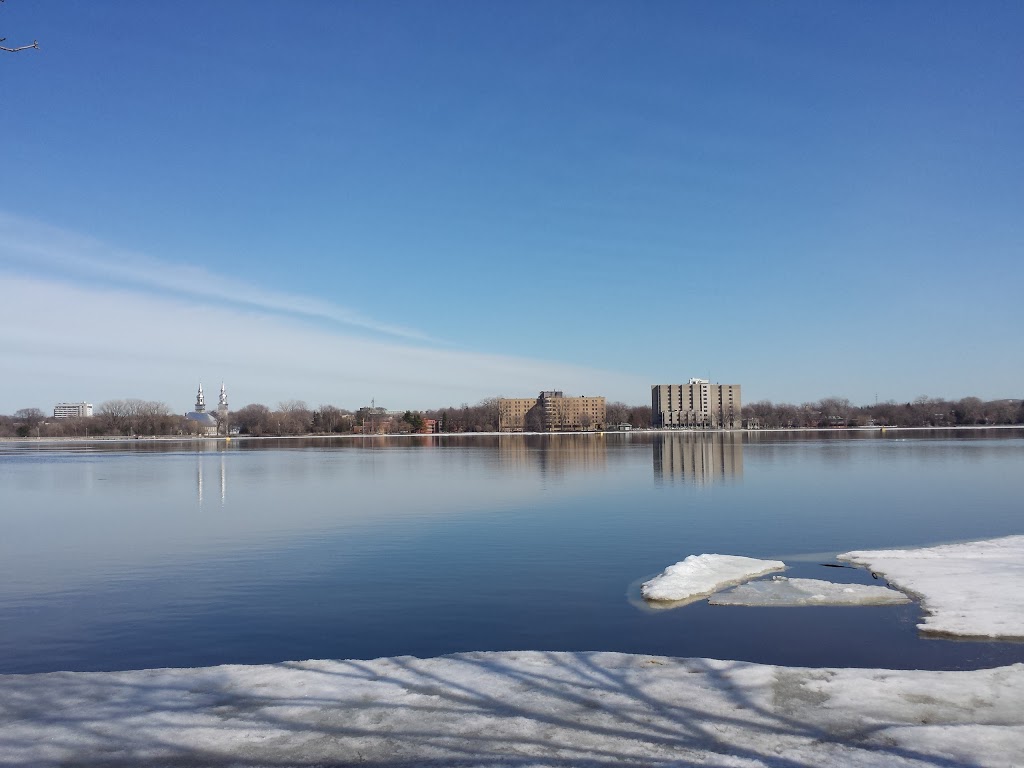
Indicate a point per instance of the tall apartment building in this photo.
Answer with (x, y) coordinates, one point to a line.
(72, 410)
(697, 404)
(551, 411)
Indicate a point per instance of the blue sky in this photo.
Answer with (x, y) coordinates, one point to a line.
(432, 203)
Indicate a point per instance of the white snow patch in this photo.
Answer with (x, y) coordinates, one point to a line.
(701, 575)
(782, 592)
(975, 589)
(528, 708)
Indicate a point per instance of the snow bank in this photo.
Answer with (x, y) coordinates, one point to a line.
(974, 589)
(783, 592)
(701, 575)
(514, 709)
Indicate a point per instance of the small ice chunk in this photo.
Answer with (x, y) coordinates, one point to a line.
(701, 575)
(784, 592)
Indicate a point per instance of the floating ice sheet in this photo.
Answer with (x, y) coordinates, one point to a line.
(783, 592)
(701, 575)
(975, 589)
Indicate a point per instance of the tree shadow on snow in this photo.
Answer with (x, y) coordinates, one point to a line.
(520, 709)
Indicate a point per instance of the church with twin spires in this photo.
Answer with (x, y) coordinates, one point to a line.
(208, 423)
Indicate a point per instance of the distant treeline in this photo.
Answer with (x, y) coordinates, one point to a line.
(922, 412)
(148, 418)
(296, 418)
(125, 418)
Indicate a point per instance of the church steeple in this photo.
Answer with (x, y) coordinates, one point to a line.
(222, 404)
(200, 401)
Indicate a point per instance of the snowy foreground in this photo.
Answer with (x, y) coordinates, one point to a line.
(975, 589)
(514, 709)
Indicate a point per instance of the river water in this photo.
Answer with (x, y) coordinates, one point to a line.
(123, 555)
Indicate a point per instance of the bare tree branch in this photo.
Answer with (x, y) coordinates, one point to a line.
(35, 44)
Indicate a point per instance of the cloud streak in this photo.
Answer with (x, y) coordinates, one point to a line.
(36, 248)
(82, 342)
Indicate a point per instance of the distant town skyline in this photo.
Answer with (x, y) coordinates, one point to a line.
(434, 205)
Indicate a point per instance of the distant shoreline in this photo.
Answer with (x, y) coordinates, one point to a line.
(352, 436)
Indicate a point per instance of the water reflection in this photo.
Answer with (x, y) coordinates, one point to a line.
(554, 455)
(199, 479)
(698, 458)
(116, 554)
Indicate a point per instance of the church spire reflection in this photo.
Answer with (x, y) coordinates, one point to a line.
(221, 476)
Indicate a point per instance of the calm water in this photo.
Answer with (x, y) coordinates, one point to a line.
(141, 554)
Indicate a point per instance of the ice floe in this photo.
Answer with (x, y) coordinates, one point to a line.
(975, 589)
(701, 575)
(784, 592)
(514, 709)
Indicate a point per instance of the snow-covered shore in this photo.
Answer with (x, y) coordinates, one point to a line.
(514, 709)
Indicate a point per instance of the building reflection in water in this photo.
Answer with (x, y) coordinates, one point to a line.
(698, 458)
(554, 454)
(220, 475)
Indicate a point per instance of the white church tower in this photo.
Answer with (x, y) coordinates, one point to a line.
(222, 408)
(204, 423)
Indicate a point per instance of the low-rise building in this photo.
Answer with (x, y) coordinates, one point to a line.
(551, 411)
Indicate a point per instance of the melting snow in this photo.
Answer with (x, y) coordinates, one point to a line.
(974, 589)
(781, 591)
(522, 709)
(701, 575)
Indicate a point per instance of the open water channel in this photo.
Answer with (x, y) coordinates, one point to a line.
(123, 555)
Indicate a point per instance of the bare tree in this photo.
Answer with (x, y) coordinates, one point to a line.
(616, 412)
(148, 417)
(640, 416)
(30, 416)
(534, 419)
(28, 419)
(834, 411)
(294, 418)
(328, 418)
(968, 411)
(113, 416)
(254, 419)
(35, 44)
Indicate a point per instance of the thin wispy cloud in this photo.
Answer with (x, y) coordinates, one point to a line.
(34, 248)
(73, 335)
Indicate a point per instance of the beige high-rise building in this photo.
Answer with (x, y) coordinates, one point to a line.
(551, 411)
(697, 404)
